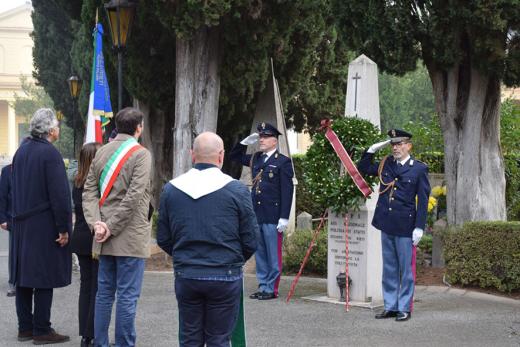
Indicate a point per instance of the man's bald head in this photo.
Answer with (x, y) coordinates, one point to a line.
(208, 148)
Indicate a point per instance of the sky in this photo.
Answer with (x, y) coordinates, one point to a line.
(9, 4)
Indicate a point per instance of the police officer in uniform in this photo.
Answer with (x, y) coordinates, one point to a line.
(400, 215)
(272, 193)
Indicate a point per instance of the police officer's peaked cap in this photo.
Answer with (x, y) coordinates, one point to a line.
(398, 135)
(266, 129)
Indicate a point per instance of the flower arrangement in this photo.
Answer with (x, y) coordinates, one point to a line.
(329, 185)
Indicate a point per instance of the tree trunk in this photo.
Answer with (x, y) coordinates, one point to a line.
(468, 104)
(157, 138)
(197, 89)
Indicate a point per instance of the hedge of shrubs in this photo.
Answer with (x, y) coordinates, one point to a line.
(295, 247)
(484, 254)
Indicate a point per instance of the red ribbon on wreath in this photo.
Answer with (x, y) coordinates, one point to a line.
(347, 162)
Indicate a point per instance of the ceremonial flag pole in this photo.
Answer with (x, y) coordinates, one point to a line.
(99, 107)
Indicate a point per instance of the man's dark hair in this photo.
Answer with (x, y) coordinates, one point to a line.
(128, 119)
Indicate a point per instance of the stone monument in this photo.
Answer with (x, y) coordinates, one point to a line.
(365, 259)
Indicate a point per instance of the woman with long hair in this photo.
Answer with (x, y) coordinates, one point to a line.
(81, 244)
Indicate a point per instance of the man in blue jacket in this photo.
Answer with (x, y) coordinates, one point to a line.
(400, 215)
(207, 223)
(272, 193)
(5, 218)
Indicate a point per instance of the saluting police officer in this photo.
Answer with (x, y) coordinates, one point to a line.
(400, 215)
(272, 193)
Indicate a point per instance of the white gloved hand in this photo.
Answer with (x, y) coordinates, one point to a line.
(417, 235)
(282, 225)
(250, 140)
(377, 146)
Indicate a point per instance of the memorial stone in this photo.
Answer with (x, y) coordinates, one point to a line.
(364, 241)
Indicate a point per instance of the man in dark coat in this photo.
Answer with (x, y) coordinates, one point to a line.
(42, 221)
(5, 218)
(272, 194)
(207, 223)
(400, 215)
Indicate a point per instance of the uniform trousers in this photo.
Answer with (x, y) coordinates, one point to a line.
(398, 282)
(268, 258)
(208, 311)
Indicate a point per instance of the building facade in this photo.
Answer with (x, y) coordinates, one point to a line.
(16, 61)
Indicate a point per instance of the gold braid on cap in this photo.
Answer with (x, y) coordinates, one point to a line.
(388, 185)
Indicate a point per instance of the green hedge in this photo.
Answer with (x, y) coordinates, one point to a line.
(295, 247)
(304, 200)
(484, 254)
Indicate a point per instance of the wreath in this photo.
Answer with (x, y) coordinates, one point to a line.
(330, 185)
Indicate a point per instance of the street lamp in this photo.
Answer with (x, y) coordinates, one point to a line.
(120, 15)
(75, 89)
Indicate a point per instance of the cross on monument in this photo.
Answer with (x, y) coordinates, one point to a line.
(355, 78)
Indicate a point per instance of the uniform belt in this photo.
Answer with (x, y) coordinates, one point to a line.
(33, 211)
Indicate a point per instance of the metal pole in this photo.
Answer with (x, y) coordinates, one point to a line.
(119, 79)
(119, 64)
(74, 128)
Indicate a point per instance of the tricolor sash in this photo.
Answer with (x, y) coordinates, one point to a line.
(114, 165)
(345, 158)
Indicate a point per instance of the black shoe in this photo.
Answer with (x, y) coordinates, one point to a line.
(255, 295)
(86, 342)
(386, 314)
(11, 292)
(402, 316)
(266, 296)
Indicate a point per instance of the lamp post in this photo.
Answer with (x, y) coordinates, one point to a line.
(120, 15)
(75, 88)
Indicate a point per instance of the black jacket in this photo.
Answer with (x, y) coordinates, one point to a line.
(81, 240)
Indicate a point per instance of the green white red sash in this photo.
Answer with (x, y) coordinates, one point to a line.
(114, 165)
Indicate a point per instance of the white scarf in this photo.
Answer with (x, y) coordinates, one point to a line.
(197, 183)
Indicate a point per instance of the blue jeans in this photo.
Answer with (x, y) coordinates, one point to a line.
(122, 276)
(268, 258)
(208, 311)
(398, 283)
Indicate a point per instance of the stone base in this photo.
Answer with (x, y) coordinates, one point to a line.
(329, 300)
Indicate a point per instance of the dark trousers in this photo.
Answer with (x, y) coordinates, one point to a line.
(208, 311)
(39, 320)
(88, 268)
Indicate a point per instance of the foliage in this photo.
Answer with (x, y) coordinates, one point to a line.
(322, 173)
(395, 34)
(295, 248)
(510, 127)
(52, 36)
(406, 100)
(484, 254)
(512, 172)
(34, 97)
(305, 201)
(425, 245)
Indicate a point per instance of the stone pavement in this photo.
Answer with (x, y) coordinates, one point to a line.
(442, 317)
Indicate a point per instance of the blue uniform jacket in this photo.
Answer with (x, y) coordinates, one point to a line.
(273, 193)
(397, 210)
(212, 235)
(5, 196)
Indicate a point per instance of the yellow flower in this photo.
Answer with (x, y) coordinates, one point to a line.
(444, 190)
(437, 191)
(66, 162)
(432, 202)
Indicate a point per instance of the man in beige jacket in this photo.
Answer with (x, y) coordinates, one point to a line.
(115, 203)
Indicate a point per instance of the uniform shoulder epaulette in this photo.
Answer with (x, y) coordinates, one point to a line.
(421, 162)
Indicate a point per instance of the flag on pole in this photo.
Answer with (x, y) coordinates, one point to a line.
(99, 107)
